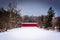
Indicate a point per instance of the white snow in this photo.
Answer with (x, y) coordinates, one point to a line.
(29, 33)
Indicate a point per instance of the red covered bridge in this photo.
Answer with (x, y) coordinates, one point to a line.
(29, 24)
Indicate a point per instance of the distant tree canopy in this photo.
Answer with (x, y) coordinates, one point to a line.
(42, 18)
(58, 23)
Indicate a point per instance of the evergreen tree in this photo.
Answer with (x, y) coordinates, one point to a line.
(49, 18)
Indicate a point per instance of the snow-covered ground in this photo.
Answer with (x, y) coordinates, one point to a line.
(29, 33)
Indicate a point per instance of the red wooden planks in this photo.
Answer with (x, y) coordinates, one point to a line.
(29, 24)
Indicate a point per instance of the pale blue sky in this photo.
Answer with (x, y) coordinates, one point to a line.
(38, 7)
(34, 7)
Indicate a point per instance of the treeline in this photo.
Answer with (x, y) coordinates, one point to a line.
(49, 21)
(11, 18)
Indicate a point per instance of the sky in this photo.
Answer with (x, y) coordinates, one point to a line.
(34, 7)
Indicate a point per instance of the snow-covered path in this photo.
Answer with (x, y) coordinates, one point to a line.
(29, 33)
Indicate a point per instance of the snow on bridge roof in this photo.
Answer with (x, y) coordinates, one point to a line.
(29, 23)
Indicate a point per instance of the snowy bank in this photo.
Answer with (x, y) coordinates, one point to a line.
(29, 33)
